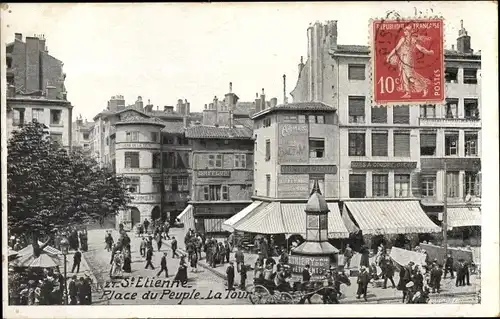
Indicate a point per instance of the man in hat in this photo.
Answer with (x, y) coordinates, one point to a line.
(77, 258)
(388, 271)
(163, 265)
(306, 274)
(243, 275)
(448, 266)
(230, 276)
(460, 273)
(363, 280)
(347, 256)
(436, 274)
(240, 258)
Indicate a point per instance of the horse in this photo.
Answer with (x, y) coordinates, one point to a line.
(328, 290)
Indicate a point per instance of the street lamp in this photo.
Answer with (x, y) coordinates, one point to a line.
(64, 244)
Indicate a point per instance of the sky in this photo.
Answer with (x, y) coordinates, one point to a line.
(164, 52)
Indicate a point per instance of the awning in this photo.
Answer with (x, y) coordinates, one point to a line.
(213, 225)
(391, 217)
(266, 220)
(294, 219)
(228, 224)
(288, 218)
(464, 216)
(187, 217)
(28, 250)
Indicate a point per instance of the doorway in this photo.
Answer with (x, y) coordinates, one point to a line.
(135, 216)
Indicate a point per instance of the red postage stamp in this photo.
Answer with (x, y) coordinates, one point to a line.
(407, 61)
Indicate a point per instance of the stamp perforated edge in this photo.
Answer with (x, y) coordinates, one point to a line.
(371, 39)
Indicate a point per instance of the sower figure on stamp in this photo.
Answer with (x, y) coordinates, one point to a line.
(163, 265)
(403, 56)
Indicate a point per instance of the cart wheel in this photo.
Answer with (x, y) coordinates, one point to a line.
(258, 294)
(285, 298)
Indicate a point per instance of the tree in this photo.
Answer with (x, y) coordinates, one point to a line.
(50, 188)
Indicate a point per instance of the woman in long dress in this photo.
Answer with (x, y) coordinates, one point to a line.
(403, 57)
(127, 260)
(182, 271)
(116, 270)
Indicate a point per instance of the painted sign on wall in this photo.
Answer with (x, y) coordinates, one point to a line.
(214, 173)
(293, 143)
(293, 186)
(318, 263)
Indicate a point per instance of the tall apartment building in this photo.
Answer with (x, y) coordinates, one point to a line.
(82, 134)
(35, 88)
(398, 154)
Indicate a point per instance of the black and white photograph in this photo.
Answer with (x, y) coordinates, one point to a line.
(243, 155)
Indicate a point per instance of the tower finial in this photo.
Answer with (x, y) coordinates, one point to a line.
(316, 188)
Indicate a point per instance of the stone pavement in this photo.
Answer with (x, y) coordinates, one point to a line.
(375, 294)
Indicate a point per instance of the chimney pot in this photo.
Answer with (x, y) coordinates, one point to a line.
(301, 59)
(262, 91)
(18, 36)
(230, 87)
(453, 47)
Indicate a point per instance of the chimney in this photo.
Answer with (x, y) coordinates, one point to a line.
(216, 106)
(139, 105)
(205, 106)
(230, 87)
(463, 40)
(258, 107)
(301, 64)
(263, 100)
(453, 47)
(331, 33)
(274, 102)
(285, 99)
(184, 121)
(41, 40)
(18, 36)
(33, 75)
(168, 109)
(50, 92)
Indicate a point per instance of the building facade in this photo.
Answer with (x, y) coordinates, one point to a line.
(82, 134)
(400, 152)
(35, 89)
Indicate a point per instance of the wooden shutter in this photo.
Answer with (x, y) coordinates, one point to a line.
(379, 115)
(379, 144)
(427, 139)
(402, 144)
(356, 106)
(401, 114)
(416, 184)
(356, 72)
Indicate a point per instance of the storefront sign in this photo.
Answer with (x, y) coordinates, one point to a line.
(138, 170)
(149, 198)
(308, 169)
(391, 165)
(293, 186)
(456, 164)
(137, 146)
(318, 263)
(293, 143)
(214, 173)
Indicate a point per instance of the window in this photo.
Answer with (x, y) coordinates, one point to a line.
(452, 179)
(451, 144)
(155, 137)
(451, 75)
(216, 192)
(401, 144)
(215, 160)
(132, 183)
(240, 160)
(156, 184)
(268, 150)
(290, 119)
(401, 114)
(401, 185)
(131, 159)
(427, 144)
(470, 144)
(380, 183)
(451, 108)
(268, 185)
(429, 185)
(302, 119)
(168, 140)
(266, 122)
(18, 117)
(316, 119)
(356, 109)
(85, 136)
(56, 137)
(321, 183)
(131, 136)
(169, 160)
(356, 72)
(470, 76)
(428, 111)
(356, 144)
(183, 183)
(167, 183)
(379, 115)
(471, 109)
(379, 144)
(156, 160)
(55, 117)
(316, 148)
(37, 114)
(472, 184)
(175, 185)
(357, 185)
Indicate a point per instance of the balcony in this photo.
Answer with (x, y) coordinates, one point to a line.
(470, 122)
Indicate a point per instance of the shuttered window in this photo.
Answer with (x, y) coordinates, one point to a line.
(379, 144)
(401, 144)
(268, 150)
(427, 144)
(401, 114)
(356, 109)
(452, 179)
(451, 144)
(356, 144)
(379, 115)
(401, 185)
(131, 159)
(356, 72)
(380, 185)
(357, 185)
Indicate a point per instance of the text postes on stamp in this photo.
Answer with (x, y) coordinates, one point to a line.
(407, 61)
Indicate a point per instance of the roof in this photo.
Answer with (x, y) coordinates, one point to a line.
(298, 106)
(220, 132)
(136, 116)
(173, 127)
(352, 48)
(246, 122)
(244, 108)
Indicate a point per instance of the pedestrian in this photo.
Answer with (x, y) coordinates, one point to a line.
(198, 244)
(365, 257)
(214, 253)
(190, 248)
(108, 239)
(158, 240)
(149, 258)
(230, 276)
(436, 274)
(448, 266)
(194, 262)
(227, 250)
(306, 274)
(181, 275)
(146, 225)
(347, 256)
(127, 260)
(167, 229)
(418, 279)
(243, 276)
(86, 291)
(240, 259)
(173, 245)
(461, 272)
(77, 258)
(142, 248)
(73, 290)
(388, 271)
(466, 273)
(163, 265)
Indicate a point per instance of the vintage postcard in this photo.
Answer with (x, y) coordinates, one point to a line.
(249, 159)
